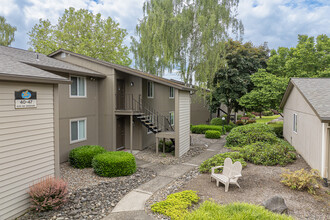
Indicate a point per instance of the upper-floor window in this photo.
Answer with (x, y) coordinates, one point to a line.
(295, 122)
(172, 118)
(171, 93)
(150, 89)
(78, 130)
(78, 86)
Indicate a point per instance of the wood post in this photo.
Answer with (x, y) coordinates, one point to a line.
(131, 134)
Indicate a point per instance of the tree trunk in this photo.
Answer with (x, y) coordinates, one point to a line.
(228, 114)
(260, 114)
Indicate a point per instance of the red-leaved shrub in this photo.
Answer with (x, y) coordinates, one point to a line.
(48, 194)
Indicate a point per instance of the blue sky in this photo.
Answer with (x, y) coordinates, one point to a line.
(277, 22)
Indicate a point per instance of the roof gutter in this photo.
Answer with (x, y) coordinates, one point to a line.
(23, 78)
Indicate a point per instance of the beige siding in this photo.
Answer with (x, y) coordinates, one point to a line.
(183, 126)
(26, 145)
(307, 140)
(200, 113)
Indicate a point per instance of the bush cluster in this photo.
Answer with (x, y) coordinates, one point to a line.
(115, 163)
(212, 134)
(48, 194)
(269, 154)
(277, 128)
(218, 121)
(239, 117)
(268, 113)
(248, 134)
(233, 211)
(239, 122)
(302, 180)
(81, 157)
(201, 129)
(176, 205)
(219, 159)
(250, 115)
(168, 146)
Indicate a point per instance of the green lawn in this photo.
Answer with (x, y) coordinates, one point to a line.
(266, 119)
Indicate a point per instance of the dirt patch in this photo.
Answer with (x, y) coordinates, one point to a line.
(259, 183)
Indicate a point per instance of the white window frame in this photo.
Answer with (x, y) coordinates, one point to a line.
(152, 89)
(85, 83)
(77, 120)
(295, 123)
(172, 114)
(171, 93)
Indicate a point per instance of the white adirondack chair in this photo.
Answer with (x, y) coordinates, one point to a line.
(230, 174)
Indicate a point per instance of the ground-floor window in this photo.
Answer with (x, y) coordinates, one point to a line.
(78, 130)
(295, 122)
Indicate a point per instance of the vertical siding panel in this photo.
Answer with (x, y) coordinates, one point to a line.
(184, 122)
(26, 145)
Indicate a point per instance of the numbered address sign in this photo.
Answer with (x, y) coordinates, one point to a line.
(25, 99)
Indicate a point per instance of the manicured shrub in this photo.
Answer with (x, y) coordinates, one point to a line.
(302, 180)
(267, 113)
(251, 121)
(229, 127)
(277, 128)
(248, 134)
(115, 163)
(48, 194)
(168, 146)
(210, 210)
(212, 134)
(239, 123)
(269, 154)
(201, 129)
(218, 121)
(176, 205)
(81, 157)
(218, 160)
(250, 115)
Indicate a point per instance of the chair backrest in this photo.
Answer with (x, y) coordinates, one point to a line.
(230, 169)
(228, 163)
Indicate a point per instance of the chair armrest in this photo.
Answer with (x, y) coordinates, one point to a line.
(213, 168)
(235, 176)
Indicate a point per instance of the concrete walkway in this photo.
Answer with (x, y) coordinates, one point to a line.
(131, 206)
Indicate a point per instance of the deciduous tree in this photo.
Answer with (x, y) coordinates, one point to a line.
(232, 81)
(185, 35)
(82, 32)
(7, 32)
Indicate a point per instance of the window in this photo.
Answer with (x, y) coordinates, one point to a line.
(295, 123)
(171, 93)
(78, 86)
(150, 89)
(172, 118)
(77, 130)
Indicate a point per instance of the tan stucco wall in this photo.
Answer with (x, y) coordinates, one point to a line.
(308, 140)
(200, 113)
(74, 108)
(161, 103)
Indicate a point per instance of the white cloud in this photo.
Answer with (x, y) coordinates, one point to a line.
(8, 7)
(279, 22)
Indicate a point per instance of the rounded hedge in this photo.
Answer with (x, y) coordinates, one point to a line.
(212, 134)
(218, 121)
(269, 154)
(248, 134)
(115, 163)
(201, 129)
(81, 157)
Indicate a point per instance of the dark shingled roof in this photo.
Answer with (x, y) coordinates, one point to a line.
(22, 63)
(316, 92)
(128, 70)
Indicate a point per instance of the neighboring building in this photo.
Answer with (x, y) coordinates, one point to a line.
(95, 103)
(306, 110)
(29, 134)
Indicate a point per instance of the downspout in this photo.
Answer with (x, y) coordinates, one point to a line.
(324, 160)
